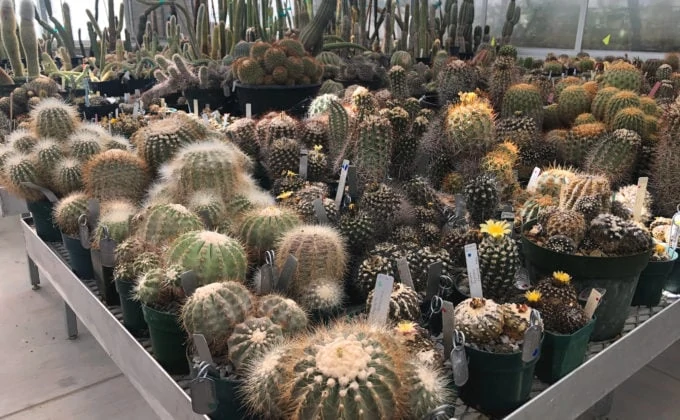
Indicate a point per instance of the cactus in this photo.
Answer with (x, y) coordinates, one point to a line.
(161, 224)
(585, 118)
(115, 219)
(321, 104)
(284, 156)
(469, 125)
(53, 118)
(512, 16)
(374, 148)
(283, 312)
(161, 139)
(159, 287)
(398, 86)
(453, 78)
(572, 102)
(47, 154)
(583, 186)
(623, 99)
(211, 255)
(116, 174)
(214, 310)
(320, 253)
(404, 303)
(624, 76)
(498, 258)
(579, 140)
(261, 228)
(84, 146)
(401, 58)
(10, 41)
(631, 119)
(29, 39)
(481, 197)
(503, 75)
(212, 165)
(599, 104)
(618, 237)
(525, 98)
(323, 296)
(22, 141)
(614, 156)
(67, 212)
(208, 206)
(242, 133)
(250, 339)
(67, 176)
(19, 169)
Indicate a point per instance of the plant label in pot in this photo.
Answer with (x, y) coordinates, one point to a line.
(189, 282)
(84, 231)
(593, 301)
(474, 276)
(380, 305)
(202, 348)
(532, 338)
(459, 362)
(286, 275)
(203, 395)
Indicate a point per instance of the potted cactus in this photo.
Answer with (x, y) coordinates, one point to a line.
(567, 329)
(655, 276)
(133, 259)
(278, 77)
(499, 379)
(67, 215)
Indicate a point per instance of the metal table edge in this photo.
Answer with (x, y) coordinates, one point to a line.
(596, 378)
(158, 388)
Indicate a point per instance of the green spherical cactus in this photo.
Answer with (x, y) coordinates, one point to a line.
(551, 117)
(150, 288)
(455, 77)
(525, 98)
(320, 252)
(321, 104)
(55, 119)
(19, 169)
(208, 206)
(46, 154)
(211, 255)
(161, 224)
(623, 99)
(585, 118)
(22, 140)
(284, 156)
(242, 133)
(649, 106)
(374, 148)
(331, 86)
(251, 339)
(214, 310)
(242, 49)
(67, 176)
(258, 50)
(401, 58)
(624, 76)
(212, 165)
(261, 228)
(469, 127)
(250, 72)
(292, 47)
(614, 156)
(323, 296)
(664, 72)
(572, 102)
(161, 139)
(578, 142)
(67, 212)
(114, 220)
(631, 119)
(116, 174)
(284, 312)
(398, 86)
(83, 146)
(599, 105)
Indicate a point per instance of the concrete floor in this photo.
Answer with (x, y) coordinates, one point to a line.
(48, 377)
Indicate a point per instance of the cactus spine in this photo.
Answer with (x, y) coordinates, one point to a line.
(28, 37)
(8, 29)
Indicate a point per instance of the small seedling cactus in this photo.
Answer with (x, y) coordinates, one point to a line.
(251, 339)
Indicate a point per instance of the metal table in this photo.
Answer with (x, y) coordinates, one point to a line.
(648, 332)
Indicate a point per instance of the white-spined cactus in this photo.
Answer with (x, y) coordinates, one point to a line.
(251, 338)
(283, 312)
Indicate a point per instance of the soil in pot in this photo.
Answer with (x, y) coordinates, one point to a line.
(133, 317)
(562, 353)
(168, 340)
(42, 219)
(79, 257)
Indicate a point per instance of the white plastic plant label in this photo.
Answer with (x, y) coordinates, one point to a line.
(320, 212)
(448, 326)
(380, 304)
(434, 272)
(286, 274)
(531, 186)
(531, 347)
(303, 163)
(459, 363)
(201, 345)
(675, 231)
(474, 275)
(405, 273)
(341, 184)
(592, 303)
(196, 107)
(249, 110)
(84, 231)
(640, 197)
(189, 282)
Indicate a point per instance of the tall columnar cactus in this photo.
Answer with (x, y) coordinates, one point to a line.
(283, 312)
(211, 255)
(28, 37)
(116, 174)
(614, 156)
(53, 118)
(498, 260)
(503, 75)
(335, 373)
(664, 172)
(161, 224)
(214, 310)
(261, 228)
(320, 251)
(512, 16)
(398, 86)
(8, 30)
(525, 98)
(67, 212)
(374, 148)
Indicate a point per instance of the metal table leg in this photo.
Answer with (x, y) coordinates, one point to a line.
(71, 322)
(33, 273)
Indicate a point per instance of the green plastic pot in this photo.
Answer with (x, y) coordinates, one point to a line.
(79, 257)
(44, 224)
(498, 383)
(652, 281)
(230, 405)
(562, 353)
(673, 282)
(108, 289)
(617, 275)
(168, 340)
(133, 317)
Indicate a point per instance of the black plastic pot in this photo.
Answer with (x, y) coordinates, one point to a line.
(562, 353)
(673, 282)
(98, 111)
(617, 275)
(133, 317)
(108, 289)
(424, 60)
(375, 84)
(651, 283)
(292, 99)
(498, 383)
(168, 340)
(79, 257)
(430, 100)
(6, 90)
(214, 98)
(45, 227)
(77, 61)
(230, 404)
(112, 88)
(141, 84)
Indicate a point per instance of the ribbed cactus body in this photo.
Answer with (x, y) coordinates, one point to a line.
(572, 102)
(469, 127)
(631, 119)
(261, 228)
(18, 169)
(207, 205)
(599, 104)
(284, 156)
(211, 255)
(579, 141)
(159, 141)
(284, 312)
(624, 76)
(398, 86)
(614, 156)
(455, 77)
(67, 176)
(8, 28)
(116, 174)
(161, 224)
(115, 220)
(67, 212)
(251, 339)
(47, 154)
(214, 310)
(53, 118)
(584, 186)
(321, 104)
(622, 100)
(83, 146)
(374, 148)
(28, 37)
(242, 133)
(525, 98)
(21, 140)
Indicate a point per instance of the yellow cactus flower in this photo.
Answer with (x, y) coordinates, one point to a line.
(495, 228)
(467, 97)
(533, 296)
(406, 327)
(290, 173)
(561, 276)
(660, 249)
(284, 195)
(318, 147)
